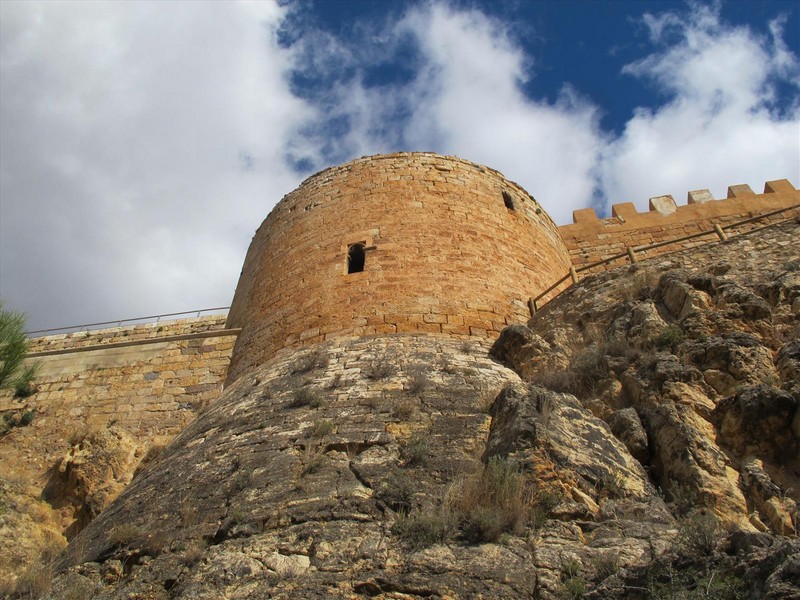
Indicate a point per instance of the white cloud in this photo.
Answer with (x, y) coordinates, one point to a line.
(142, 143)
(465, 98)
(469, 94)
(721, 126)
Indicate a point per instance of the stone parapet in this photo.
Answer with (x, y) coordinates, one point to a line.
(126, 334)
(590, 239)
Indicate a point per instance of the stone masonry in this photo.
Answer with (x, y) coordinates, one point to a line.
(143, 383)
(590, 239)
(451, 247)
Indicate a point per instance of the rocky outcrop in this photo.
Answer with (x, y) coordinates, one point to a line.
(93, 473)
(640, 441)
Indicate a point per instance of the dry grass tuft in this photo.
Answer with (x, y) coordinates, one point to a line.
(489, 503)
(310, 361)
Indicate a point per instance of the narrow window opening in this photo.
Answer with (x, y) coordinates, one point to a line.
(355, 258)
(508, 201)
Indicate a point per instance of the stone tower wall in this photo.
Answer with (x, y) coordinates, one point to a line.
(444, 255)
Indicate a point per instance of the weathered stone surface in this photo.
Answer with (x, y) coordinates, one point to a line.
(145, 382)
(627, 427)
(284, 506)
(533, 418)
(758, 420)
(293, 483)
(93, 473)
(715, 387)
(520, 349)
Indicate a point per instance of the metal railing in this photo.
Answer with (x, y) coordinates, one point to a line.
(119, 323)
(630, 252)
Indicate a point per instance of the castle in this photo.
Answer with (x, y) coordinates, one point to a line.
(370, 282)
(388, 244)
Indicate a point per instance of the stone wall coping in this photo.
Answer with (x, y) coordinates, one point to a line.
(141, 342)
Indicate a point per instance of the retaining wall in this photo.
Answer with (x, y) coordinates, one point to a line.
(146, 378)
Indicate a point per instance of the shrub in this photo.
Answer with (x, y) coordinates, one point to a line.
(699, 534)
(640, 286)
(570, 568)
(373, 402)
(311, 460)
(483, 524)
(237, 515)
(125, 534)
(491, 502)
(240, 481)
(397, 492)
(670, 338)
(574, 586)
(152, 454)
(683, 497)
(422, 530)
(590, 366)
(606, 564)
(416, 452)
(306, 396)
(403, 411)
(310, 361)
(418, 383)
(381, 369)
(194, 552)
(322, 428)
(668, 582)
(563, 381)
(6, 424)
(34, 581)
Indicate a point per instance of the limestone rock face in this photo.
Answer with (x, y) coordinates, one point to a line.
(558, 427)
(638, 440)
(94, 471)
(627, 427)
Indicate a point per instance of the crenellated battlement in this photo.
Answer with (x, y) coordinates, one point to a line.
(591, 239)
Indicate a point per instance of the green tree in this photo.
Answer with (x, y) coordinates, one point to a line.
(13, 348)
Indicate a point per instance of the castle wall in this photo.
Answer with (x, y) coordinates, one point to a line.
(131, 388)
(149, 379)
(590, 239)
(451, 247)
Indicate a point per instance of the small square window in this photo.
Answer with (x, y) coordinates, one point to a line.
(508, 201)
(356, 257)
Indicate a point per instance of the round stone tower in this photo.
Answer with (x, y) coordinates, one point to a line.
(398, 243)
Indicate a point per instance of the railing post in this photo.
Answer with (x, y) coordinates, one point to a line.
(631, 254)
(574, 274)
(722, 235)
(532, 306)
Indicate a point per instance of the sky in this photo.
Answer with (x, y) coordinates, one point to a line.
(142, 143)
